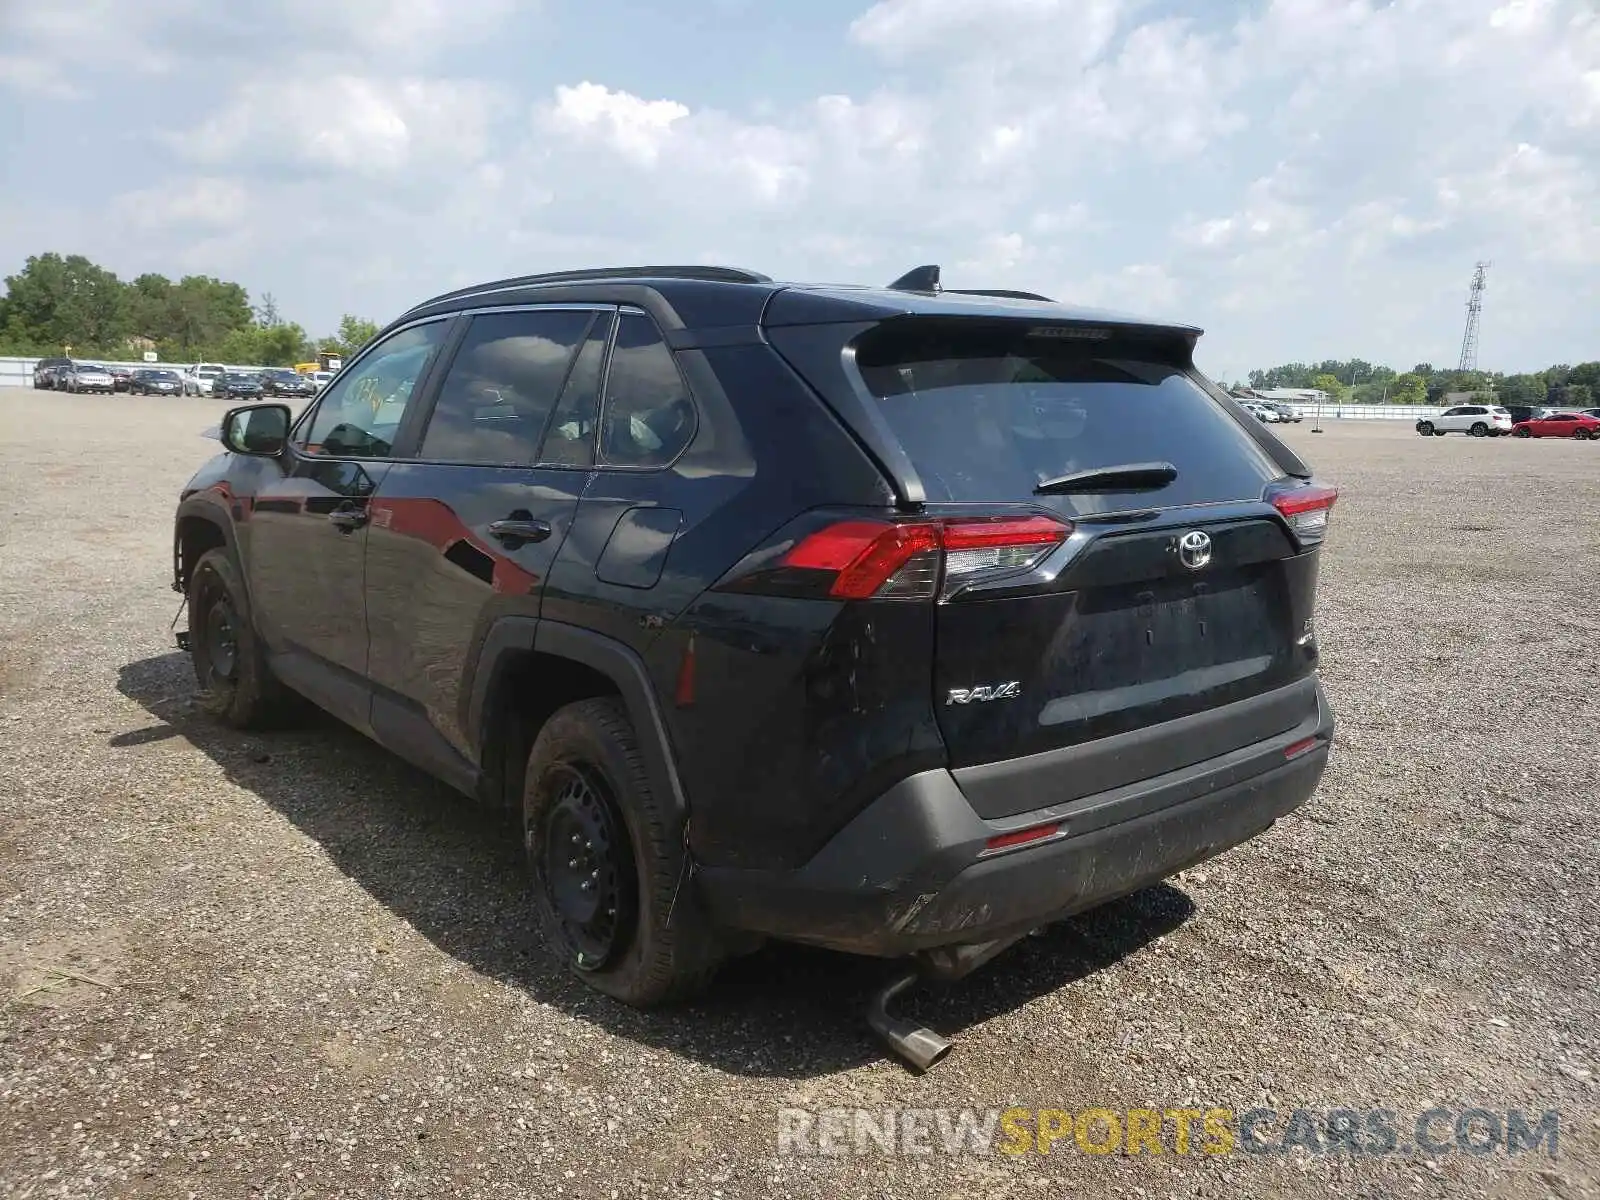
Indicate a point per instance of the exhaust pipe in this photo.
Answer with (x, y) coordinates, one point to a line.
(919, 1047)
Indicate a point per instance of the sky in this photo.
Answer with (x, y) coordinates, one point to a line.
(1305, 179)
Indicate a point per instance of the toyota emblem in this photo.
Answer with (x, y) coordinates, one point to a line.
(1194, 549)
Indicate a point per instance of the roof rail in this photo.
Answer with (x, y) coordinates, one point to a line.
(1003, 293)
(583, 275)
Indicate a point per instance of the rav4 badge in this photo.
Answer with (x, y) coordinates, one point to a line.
(992, 691)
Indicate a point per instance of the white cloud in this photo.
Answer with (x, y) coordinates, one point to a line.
(635, 128)
(191, 204)
(1072, 32)
(1548, 203)
(1304, 177)
(36, 78)
(344, 123)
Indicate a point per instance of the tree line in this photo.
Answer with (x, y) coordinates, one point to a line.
(1356, 381)
(68, 305)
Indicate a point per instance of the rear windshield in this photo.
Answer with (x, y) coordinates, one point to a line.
(987, 414)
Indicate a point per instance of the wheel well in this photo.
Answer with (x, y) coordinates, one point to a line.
(196, 535)
(526, 689)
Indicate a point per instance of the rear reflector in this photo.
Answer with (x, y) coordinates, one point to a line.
(902, 560)
(1021, 837)
(1296, 749)
(1307, 509)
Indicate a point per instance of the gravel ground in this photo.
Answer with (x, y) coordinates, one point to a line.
(289, 965)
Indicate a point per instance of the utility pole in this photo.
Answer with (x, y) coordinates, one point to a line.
(1469, 339)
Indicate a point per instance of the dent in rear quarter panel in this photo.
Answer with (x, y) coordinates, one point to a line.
(801, 712)
(782, 712)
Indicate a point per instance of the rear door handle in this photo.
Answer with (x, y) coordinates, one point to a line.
(348, 520)
(510, 529)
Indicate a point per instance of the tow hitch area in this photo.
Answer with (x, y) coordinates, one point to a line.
(917, 1046)
(180, 635)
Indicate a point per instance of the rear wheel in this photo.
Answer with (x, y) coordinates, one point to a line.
(1580, 434)
(1425, 428)
(1479, 429)
(229, 662)
(609, 864)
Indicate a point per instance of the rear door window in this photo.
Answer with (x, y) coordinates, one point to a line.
(649, 418)
(502, 386)
(988, 413)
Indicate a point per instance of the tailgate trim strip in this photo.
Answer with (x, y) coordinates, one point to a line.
(1057, 777)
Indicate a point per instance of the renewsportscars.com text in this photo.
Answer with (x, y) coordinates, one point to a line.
(1020, 1132)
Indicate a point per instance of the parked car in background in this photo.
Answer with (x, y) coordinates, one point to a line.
(120, 377)
(1286, 412)
(1477, 420)
(321, 378)
(197, 380)
(281, 381)
(46, 370)
(1577, 425)
(232, 385)
(153, 381)
(1262, 412)
(1590, 412)
(1526, 412)
(85, 377)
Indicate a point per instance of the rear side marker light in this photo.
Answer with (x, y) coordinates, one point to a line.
(1021, 837)
(1307, 510)
(903, 561)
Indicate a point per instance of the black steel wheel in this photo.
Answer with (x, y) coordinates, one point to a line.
(586, 873)
(229, 664)
(222, 641)
(609, 860)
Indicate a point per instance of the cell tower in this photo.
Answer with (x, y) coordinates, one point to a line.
(1469, 339)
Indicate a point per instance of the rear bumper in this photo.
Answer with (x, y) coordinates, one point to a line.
(912, 871)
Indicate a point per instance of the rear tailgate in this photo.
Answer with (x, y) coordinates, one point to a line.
(1118, 631)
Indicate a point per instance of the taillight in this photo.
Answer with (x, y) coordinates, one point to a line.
(1306, 509)
(887, 560)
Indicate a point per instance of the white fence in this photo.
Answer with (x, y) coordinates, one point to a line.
(1367, 412)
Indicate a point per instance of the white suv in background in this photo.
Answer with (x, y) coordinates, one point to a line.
(1478, 420)
(197, 379)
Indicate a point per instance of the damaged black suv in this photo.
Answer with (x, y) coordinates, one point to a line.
(896, 620)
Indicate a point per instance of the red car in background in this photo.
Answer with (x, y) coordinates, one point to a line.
(1561, 424)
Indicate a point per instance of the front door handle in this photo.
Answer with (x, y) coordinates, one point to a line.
(348, 520)
(514, 529)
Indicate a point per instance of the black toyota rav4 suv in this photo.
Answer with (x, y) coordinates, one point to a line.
(897, 620)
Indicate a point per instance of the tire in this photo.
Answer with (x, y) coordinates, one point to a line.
(637, 934)
(1580, 435)
(1479, 429)
(237, 686)
(1521, 433)
(1425, 428)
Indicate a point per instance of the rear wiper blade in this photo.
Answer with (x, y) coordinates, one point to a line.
(1128, 477)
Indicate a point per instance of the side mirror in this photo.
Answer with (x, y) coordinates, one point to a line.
(261, 430)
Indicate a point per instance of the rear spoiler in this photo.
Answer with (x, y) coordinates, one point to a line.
(823, 355)
(1275, 447)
